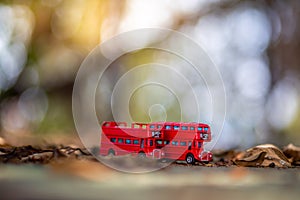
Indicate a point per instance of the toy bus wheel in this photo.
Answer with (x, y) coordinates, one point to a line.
(141, 155)
(111, 152)
(190, 159)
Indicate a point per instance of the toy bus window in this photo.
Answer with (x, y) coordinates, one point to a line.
(106, 124)
(184, 128)
(192, 128)
(175, 143)
(121, 124)
(113, 140)
(159, 142)
(128, 141)
(151, 143)
(182, 143)
(199, 144)
(135, 141)
(190, 144)
(120, 140)
(176, 127)
(168, 127)
(159, 126)
(166, 142)
(136, 126)
(152, 126)
(206, 129)
(144, 126)
(199, 128)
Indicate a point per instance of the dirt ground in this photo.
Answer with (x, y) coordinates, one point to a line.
(70, 178)
(68, 172)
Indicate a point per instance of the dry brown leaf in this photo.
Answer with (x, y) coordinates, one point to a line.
(266, 155)
(43, 157)
(292, 152)
(250, 160)
(25, 154)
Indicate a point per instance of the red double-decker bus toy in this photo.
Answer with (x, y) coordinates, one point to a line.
(159, 140)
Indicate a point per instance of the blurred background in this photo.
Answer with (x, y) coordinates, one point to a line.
(254, 44)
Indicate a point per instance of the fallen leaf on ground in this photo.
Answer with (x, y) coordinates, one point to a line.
(266, 155)
(30, 154)
(293, 152)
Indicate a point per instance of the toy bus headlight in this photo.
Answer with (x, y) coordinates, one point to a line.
(162, 153)
(151, 153)
(205, 155)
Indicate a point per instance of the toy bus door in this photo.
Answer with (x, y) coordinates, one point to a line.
(142, 143)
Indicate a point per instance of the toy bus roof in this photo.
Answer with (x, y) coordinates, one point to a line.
(159, 123)
(179, 123)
